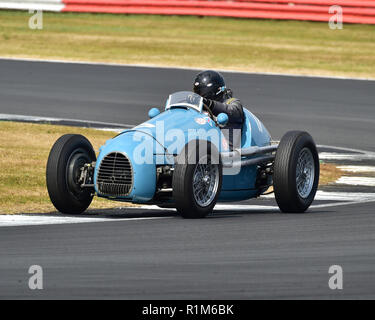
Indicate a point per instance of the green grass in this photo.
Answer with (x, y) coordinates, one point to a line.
(237, 44)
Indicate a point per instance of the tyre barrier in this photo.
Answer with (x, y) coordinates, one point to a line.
(353, 11)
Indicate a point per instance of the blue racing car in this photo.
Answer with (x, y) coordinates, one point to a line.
(181, 159)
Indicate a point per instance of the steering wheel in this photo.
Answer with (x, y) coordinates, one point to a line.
(210, 113)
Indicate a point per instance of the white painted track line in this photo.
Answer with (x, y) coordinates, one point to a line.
(339, 196)
(28, 220)
(346, 156)
(358, 169)
(357, 181)
(37, 220)
(19, 117)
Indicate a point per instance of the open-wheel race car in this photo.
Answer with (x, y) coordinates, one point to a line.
(181, 159)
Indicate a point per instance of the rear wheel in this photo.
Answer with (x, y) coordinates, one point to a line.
(68, 155)
(296, 172)
(197, 180)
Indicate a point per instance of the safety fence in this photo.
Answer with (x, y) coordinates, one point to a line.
(353, 11)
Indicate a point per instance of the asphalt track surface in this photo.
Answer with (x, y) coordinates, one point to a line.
(255, 254)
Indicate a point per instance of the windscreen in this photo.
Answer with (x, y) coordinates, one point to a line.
(185, 99)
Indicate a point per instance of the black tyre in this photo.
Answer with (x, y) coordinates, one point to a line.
(68, 155)
(197, 180)
(296, 172)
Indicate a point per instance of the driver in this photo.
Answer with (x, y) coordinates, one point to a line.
(211, 86)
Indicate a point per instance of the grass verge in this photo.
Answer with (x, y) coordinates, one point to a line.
(293, 47)
(24, 149)
(329, 173)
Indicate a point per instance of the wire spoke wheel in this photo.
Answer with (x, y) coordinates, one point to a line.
(305, 172)
(205, 182)
(197, 180)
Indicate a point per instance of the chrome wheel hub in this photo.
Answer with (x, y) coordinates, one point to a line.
(305, 173)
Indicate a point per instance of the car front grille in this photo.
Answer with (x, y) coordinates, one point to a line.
(115, 175)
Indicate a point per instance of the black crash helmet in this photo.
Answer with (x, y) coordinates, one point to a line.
(209, 84)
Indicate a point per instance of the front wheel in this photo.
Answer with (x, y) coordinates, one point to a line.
(197, 180)
(296, 172)
(68, 156)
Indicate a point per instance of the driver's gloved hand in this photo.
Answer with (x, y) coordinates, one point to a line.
(229, 93)
(208, 103)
